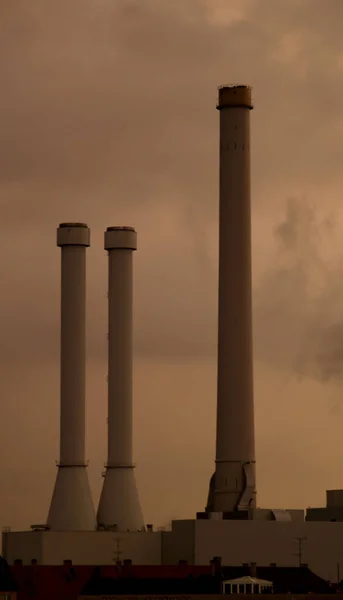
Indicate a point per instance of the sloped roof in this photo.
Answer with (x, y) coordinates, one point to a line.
(204, 584)
(154, 571)
(50, 583)
(68, 581)
(246, 579)
(296, 580)
(42, 582)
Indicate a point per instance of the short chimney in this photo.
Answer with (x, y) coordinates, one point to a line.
(120, 482)
(149, 527)
(253, 570)
(77, 513)
(33, 562)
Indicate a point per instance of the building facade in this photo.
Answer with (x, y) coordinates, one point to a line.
(318, 544)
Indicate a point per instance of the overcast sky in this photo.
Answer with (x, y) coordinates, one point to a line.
(107, 116)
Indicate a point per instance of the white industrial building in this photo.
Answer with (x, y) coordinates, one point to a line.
(232, 526)
(195, 541)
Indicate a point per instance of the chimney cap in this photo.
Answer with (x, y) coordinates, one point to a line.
(234, 96)
(73, 234)
(120, 228)
(69, 225)
(120, 238)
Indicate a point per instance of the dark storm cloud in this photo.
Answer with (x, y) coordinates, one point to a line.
(107, 115)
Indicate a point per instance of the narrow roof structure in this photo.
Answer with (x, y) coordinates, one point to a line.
(247, 579)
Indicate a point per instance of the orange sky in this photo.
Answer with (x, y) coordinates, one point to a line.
(108, 117)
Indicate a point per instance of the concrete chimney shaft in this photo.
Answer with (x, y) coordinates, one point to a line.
(119, 503)
(72, 506)
(233, 485)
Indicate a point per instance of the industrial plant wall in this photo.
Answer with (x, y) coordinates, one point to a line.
(178, 544)
(84, 548)
(101, 548)
(22, 545)
(197, 542)
(265, 542)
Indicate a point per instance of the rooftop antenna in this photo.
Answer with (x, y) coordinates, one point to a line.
(118, 552)
(300, 540)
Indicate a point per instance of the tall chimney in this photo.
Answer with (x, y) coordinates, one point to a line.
(233, 485)
(119, 505)
(71, 506)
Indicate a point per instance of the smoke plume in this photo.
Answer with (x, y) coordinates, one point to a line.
(299, 301)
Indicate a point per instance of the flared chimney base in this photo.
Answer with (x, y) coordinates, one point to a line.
(71, 507)
(119, 506)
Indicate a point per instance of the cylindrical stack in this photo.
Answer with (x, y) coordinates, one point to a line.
(72, 507)
(119, 505)
(233, 486)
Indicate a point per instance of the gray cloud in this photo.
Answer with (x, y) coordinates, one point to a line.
(108, 115)
(298, 302)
